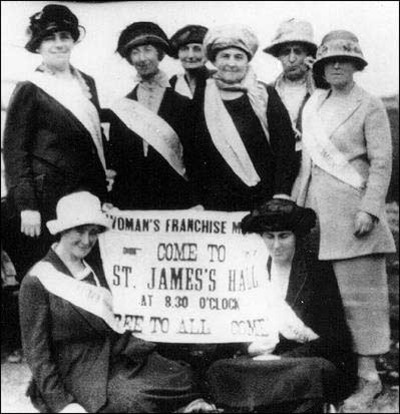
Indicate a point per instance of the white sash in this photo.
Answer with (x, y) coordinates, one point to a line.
(70, 95)
(226, 137)
(182, 86)
(94, 299)
(322, 150)
(152, 129)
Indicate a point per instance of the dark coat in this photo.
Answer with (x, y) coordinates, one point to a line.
(148, 182)
(75, 357)
(218, 187)
(203, 75)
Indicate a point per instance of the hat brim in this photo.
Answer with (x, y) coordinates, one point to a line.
(274, 49)
(147, 40)
(57, 226)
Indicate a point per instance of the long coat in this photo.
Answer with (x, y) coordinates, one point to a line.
(218, 187)
(75, 357)
(320, 369)
(362, 135)
(148, 182)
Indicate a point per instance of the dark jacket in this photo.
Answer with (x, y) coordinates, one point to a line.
(202, 77)
(148, 182)
(48, 153)
(218, 187)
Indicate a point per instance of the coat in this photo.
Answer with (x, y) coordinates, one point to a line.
(204, 74)
(323, 369)
(148, 182)
(218, 187)
(75, 357)
(362, 134)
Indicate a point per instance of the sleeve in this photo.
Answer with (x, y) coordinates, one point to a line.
(36, 341)
(379, 152)
(18, 145)
(282, 142)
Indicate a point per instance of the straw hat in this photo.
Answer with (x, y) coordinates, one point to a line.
(292, 31)
(78, 209)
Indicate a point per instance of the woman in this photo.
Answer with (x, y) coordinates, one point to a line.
(149, 132)
(53, 142)
(243, 145)
(345, 177)
(79, 360)
(187, 46)
(312, 363)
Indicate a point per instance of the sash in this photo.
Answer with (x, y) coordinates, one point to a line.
(96, 300)
(152, 129)
(322, 150)
(71, 96)
(226, 137)
(182, 87)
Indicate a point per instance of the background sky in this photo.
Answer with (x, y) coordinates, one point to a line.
(376, 23)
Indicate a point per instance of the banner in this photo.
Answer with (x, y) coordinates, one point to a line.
(187, 276)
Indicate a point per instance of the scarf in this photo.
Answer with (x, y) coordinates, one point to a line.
(182, 86)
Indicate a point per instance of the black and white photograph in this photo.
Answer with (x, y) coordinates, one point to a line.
(199, 207)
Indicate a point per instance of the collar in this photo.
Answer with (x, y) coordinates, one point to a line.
(308, 80)
(159, 80)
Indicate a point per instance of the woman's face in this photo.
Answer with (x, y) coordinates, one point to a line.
(80, 240)
(145, 59)
(192, 56)
(339, 72)
(232, 64)
(280, 244)
(56, 49)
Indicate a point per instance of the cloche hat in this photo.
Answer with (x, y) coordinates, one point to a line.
(279, 215)
(292, 31)
(189, 34)
(140, 33)
(338, 43)
(53, 18)
(78, 209)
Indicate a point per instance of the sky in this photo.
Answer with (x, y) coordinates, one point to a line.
(376, 24)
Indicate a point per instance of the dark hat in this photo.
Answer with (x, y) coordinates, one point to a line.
(53, 18)
(141, 33)
(189, 34)
(279, 215)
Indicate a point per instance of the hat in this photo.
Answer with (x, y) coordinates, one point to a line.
(78, 209)
(223, 37)
(141, 33)
(189, 34)
(292, 31)
(279, 215)
(53, 18)
(338, 43)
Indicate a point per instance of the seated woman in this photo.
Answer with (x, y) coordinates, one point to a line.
(312, 364)
(79, 359)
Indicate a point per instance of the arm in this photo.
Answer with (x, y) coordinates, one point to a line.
(282, 142)
(36, 322)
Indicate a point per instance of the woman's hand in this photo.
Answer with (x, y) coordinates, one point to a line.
(363, 223)
(73, 408)
(106, 207)
(197, 207)
(309, 62)
(31, 223)
(261, 347)
(110, 176)
(201, 406)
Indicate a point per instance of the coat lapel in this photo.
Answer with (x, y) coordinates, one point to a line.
(297, 279)
(344, 112)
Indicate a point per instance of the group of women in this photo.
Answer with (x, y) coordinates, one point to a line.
(221, 140)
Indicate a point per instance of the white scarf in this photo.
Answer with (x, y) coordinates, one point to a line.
(93, 299)
(71, 95)
(182, 86)
(322, 150)
(223, 131)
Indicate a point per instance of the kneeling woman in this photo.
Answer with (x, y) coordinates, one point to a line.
(79, 360)
(312, 363)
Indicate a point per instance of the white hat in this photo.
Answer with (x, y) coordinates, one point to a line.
(78, 209)
(292, 31)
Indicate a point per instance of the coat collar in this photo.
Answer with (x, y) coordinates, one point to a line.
(353, 101)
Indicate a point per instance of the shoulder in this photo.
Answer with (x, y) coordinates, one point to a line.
(23, 90)
(372, 102)
(178, 99)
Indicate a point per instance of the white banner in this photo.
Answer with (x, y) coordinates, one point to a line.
(187, 276)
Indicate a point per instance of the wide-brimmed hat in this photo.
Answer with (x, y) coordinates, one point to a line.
(292, 31)
(279, 215)
(189, 34)
(53, 18)
(223, 37)
(78, 209)
(337, 44)
(141, 33)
